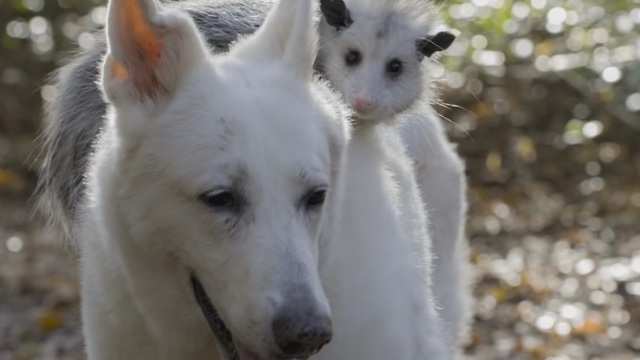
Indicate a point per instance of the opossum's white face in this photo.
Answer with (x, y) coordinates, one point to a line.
(374, 57)
(378, 71)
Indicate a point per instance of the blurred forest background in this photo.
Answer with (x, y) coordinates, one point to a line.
(545, 106)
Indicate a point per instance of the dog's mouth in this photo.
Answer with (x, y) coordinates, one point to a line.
(219, 329)
(232, 349)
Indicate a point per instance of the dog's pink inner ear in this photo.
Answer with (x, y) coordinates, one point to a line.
(141, 48)
(117, 70)
(134, 23)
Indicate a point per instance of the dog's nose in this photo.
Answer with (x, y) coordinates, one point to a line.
(301, 333)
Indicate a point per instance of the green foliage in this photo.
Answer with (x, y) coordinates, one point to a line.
(35, 35)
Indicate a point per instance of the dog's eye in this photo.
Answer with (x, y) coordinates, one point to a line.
(352, 57)
(316, 198)
(394, 67)
(220, 200)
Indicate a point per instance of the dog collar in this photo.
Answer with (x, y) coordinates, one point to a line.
(219, 329)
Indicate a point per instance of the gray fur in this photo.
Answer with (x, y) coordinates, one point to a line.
(74, 117)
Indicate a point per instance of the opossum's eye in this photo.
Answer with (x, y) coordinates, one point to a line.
(394, 67)
(315, 198)
(220, 200)
(352, 57)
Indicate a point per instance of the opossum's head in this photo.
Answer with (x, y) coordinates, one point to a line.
(373, 52)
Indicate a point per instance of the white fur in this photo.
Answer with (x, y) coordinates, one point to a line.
(440, 176)
(185, 125)
(377, 271)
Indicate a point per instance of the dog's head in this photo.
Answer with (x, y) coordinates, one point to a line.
(228, 164)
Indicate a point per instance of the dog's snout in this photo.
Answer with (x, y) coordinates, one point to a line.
(301, 333)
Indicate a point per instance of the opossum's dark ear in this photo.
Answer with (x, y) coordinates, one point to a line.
(336, 13)
(432, 44)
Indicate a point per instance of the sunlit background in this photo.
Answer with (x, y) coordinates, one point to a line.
(542, 98)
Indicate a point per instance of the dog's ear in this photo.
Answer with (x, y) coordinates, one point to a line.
(287, 35)
(336, 13)
(150, 47)
(432, 44)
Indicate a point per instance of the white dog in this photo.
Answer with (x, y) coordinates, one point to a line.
(206, 192)
(206, 195)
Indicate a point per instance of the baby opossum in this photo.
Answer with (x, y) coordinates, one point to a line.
(375, 53)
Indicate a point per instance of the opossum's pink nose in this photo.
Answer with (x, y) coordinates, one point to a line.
(362, 103)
